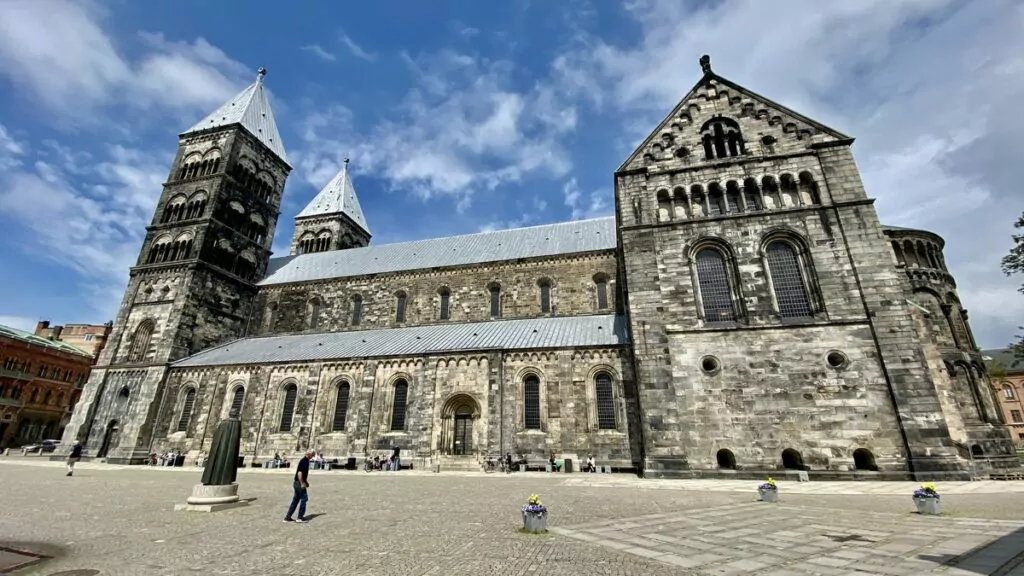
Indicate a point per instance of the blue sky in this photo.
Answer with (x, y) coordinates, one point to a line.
(461, 116)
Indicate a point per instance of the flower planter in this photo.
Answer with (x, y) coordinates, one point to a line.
(769, 495)
(927, 505)
(535, 521)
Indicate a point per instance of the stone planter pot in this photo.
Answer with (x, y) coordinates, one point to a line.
(535, 521)
(927, 505)
(769, 495)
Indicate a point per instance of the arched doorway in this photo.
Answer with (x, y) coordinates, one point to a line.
(457, 418)
(726, 459)
(792, 460)
(863, 459)
(110, 438)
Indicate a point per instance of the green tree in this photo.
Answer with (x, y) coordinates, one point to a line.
(1013, 263)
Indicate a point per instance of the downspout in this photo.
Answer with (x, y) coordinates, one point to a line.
(263, 414)
(871, 324)
(501, 404)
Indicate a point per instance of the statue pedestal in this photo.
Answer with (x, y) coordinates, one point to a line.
(212, 499)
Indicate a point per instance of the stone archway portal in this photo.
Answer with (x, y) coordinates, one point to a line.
(457, 418)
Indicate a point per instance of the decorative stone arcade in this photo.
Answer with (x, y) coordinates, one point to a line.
(458, 423)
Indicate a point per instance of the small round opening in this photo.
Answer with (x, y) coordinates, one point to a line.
(710, 365)
(836, 359)
(682, 152)
(768, 139)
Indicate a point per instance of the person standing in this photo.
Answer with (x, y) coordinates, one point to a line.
(74, 457)
(300, 485)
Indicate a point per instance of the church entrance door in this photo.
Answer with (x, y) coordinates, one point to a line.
(109, 439)
(458, 417)
(463, 432)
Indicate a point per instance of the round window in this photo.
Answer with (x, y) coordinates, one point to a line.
(836, 359)
(710, 365)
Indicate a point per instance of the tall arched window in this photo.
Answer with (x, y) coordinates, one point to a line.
(531, 402)
(715, 290)
(787, 281)
(140, 341)
(601, 284)
(399, 405)
(445, 311)
(605, 401)
(400, 307)
(495, 291)
(186, 409)
(288, 409)
(340, 408)
(1007, 392)
(237, 400)
(545, 296)
(314, 312)
(357, 310)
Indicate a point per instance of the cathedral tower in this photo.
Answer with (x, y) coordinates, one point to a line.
(333, 220)
(194, 281)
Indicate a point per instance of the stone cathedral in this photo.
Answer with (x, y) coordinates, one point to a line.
(743, 312)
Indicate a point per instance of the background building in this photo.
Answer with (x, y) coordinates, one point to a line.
(41, 380)
(744, 311)
(1007, 370)
(90, 338)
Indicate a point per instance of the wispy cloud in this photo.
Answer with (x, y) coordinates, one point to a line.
(319, 52)
(356, 50)
(19, 322)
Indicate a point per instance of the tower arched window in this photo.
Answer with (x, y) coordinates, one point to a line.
(291, 392)
(357, 310)
(722, 138)
(140, 341)
(531, 402)
(445, 297)
(400, 300)
(340, 408)
(545, 296)
(186, 409)
(315, 307)
(495, 292)
(715, 287)
(787, 280)
(605, 401)
(601, 286)
(398, 406)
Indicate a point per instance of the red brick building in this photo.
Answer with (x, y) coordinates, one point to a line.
(89, 338)
(40, 383)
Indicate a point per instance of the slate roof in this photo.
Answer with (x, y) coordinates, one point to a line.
(577, 236)
(1005, 356)
(251, 109)
(520, 334)
(337, 197)
(31, 338)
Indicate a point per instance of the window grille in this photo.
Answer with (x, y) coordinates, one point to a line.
(790, 291)
(400, 308)
(288, 410)
(605, 402)
(398, 408)
(186, 410)
(340, 408)
(237, 400)
(715, 292)
(531, 403)
(733, 200)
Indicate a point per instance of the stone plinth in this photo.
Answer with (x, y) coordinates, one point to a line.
(212, 498)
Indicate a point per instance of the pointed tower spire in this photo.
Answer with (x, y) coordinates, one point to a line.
(333, 219)
(251, 109)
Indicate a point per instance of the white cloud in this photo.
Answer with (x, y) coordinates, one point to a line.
(929, 87)
(586, 205)
(10, 150)
(356, 50)
(463, 129)
(19, 322)
(58, 52)
(319, 52)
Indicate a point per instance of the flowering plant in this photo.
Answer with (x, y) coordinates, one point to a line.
(769, 485)
(534, 505)
(927, 490)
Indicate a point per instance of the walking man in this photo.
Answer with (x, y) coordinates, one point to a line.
(74, 457)
(300, 484)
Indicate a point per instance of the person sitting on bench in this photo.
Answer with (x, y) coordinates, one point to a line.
(589, 466)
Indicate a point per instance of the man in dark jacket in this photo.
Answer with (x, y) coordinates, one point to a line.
(74, 457)
(300, 485)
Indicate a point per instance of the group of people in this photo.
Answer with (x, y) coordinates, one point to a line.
(165, 459)
(384, 463)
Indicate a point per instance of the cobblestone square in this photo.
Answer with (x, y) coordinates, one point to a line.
(120, 520)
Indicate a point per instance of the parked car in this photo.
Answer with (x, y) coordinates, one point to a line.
(43, 447)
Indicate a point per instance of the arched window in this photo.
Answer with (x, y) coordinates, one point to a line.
(186, 409)
(314, 312)
(237, 400)
(787, 280)
(140, 341)
(722, 138)
(531, 403)
(495, 291)
(1007, 392)
(601, 284)
(605, 401)
(545, 296)
(715, 290)
(288, 409)
(357, 310)
(445, 307)
(340, 408)
(400, 307)
(398, 406)
(271, 316)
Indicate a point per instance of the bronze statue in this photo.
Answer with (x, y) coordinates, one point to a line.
(222, 465)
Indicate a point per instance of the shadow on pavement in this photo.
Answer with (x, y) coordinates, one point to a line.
(18, 555)
(996, 558)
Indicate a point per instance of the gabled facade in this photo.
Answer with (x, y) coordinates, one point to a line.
(744, 312)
